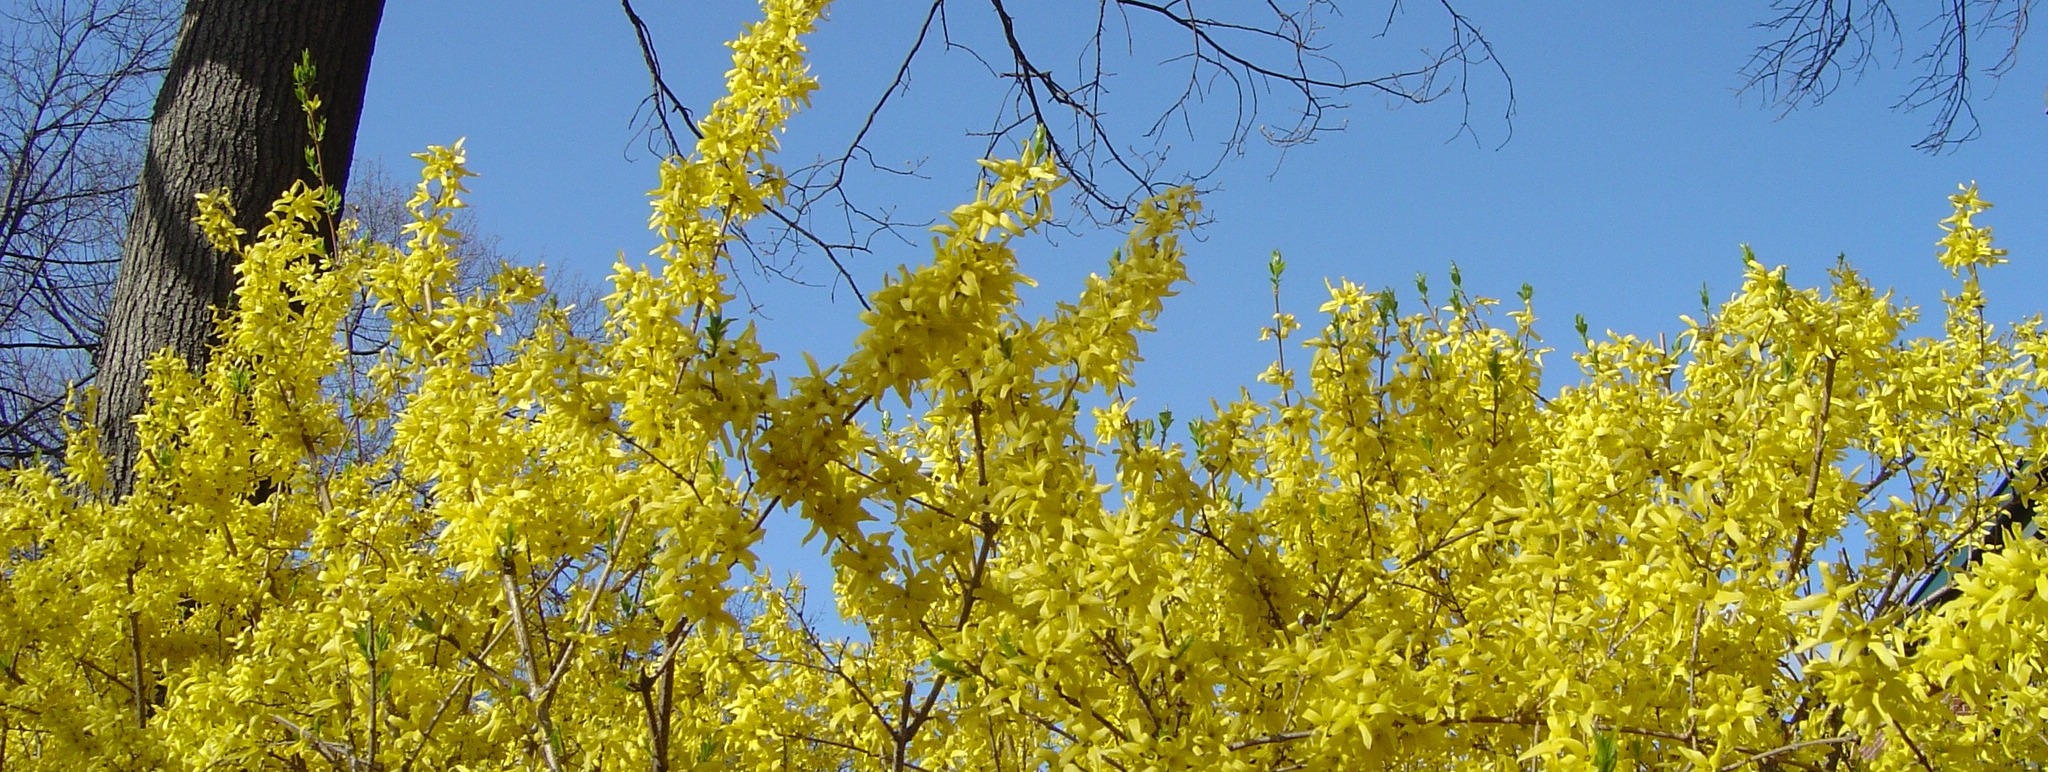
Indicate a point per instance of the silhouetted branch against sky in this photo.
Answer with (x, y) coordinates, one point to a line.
(76, 81)
(1280, 74)
(1815, 46)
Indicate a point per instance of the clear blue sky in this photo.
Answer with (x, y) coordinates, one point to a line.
(1634, 175)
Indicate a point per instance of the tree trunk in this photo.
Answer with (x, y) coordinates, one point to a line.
(227, 118)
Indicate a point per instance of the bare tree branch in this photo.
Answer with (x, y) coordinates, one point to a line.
(662, 100)
(76, 80)
(1250, 61)
(1816, 45)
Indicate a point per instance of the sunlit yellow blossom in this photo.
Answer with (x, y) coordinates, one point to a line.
(1405, 551)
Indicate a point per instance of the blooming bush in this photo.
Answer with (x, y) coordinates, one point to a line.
(1695, 555)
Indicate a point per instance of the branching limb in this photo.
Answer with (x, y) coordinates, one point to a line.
(1816, 45)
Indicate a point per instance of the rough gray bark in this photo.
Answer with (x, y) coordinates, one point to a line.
(227, 119)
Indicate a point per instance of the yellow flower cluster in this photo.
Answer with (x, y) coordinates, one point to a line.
(1697, 554)
(1967, 245)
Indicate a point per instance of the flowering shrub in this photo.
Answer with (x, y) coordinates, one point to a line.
(1696, 555)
